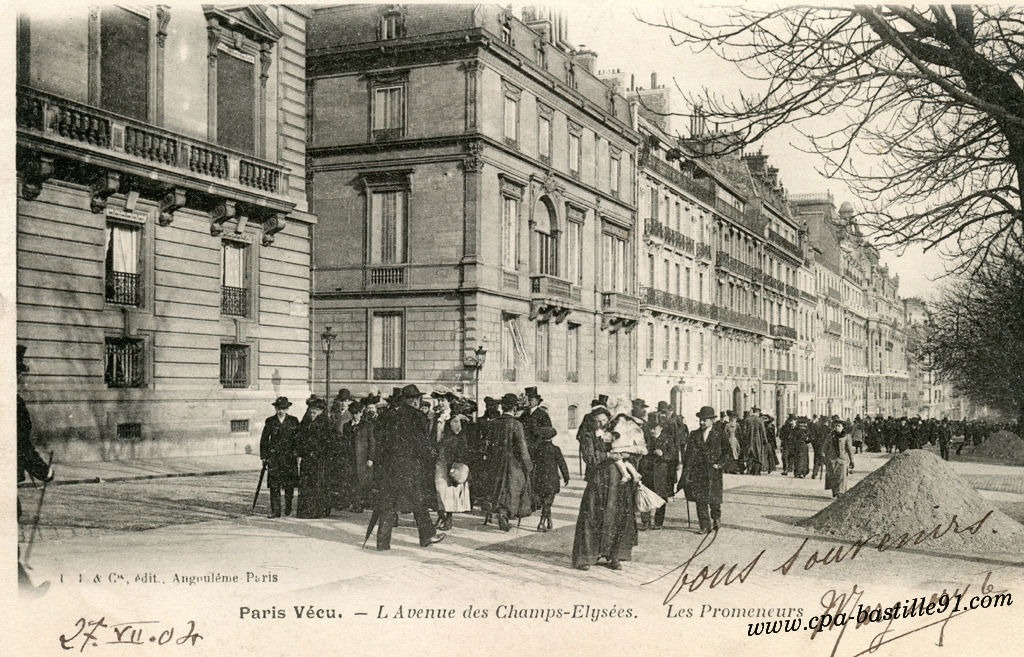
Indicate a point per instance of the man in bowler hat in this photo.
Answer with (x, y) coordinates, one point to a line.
(708, 453)
(278, 446)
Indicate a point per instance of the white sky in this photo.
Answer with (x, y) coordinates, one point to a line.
(621, 42)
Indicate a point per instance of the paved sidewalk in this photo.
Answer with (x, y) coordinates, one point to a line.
(188, 466)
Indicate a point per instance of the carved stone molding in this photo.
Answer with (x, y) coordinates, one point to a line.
(474, 161)
(36, 172)
(102, 188)
(221, 214)
(272, 226)
(265, 59)
(163, 17)
(171, 202)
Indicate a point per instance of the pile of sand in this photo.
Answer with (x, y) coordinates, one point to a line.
(916, 491)
(1001, 446)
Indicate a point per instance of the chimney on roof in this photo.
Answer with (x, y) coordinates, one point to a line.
(771, 176)
(757, 162)
(586, 58)
(632, 81)
(654, 80)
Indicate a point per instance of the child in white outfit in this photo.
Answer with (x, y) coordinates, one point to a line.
(629, 440)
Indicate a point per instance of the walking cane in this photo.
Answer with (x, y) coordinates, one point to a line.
(256, 497)
(39, 513)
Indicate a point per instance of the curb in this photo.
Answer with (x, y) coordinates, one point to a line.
(111, 480)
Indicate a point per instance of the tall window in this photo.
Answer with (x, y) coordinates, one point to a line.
(675, 352)
(650, 269)
(544, 138)
(686, 363)
(123, 363)
(543, 350)
(124, 62)
(574, 252)
(615, 264)
(388, 112)
(387, 227)
(700, 288)
(545, 240)
(236, 102)
(614, 174)
(650, 346)
(613, 357)
(234, 365)
(678, 279)
(387, 337)
(123, 282)
(668, 276)
(666, 345)
(573, 417)
(512, 348)
(572, 352)
(510, 233)
(234, 290)
(700, 351)
(574, 153)
(511, 120)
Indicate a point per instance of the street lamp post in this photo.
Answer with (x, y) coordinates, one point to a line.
(476, 361)
(326, 338)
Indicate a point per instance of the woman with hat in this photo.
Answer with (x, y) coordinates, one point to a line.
(315, 449)
(606, 523)
(448, 430)
(277, 450)
(510, 457)
(838, 450)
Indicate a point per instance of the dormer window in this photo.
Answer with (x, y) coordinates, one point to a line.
(506, 30)
(392, 26)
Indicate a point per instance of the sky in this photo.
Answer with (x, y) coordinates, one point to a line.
(624, 43)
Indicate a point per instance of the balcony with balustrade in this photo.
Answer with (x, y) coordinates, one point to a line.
(652, 298)
(655, 229)
(786, 332)
(728, 263)
(784, 244)
(64, 128)
(835, 328)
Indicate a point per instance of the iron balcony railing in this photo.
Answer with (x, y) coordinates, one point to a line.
(124, 288)
(234, 301)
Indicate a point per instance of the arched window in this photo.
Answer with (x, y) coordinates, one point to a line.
(546, 239)
(573, 420)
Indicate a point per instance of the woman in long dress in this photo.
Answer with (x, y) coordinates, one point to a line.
(449, 428)
(606, 525)
(316, 451)
(838, 458)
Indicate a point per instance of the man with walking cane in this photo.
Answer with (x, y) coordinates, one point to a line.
(29, 462)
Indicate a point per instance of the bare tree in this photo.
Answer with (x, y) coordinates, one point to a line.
(975, 335)
(928, 107)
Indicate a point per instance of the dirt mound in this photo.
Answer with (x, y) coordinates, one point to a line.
(918, 494)
(1001, 446)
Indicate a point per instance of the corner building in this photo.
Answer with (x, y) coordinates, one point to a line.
(475, 187)
(163, 237)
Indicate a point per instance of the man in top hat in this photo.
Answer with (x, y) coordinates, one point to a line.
(278, 452)
(405, 459)
(534, 419)
(708, 454)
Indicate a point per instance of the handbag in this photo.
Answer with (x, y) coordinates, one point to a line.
(647, 500)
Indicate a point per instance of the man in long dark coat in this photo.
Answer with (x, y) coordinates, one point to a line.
(405, 459)
(511, 496)
(658, 466)
(708, 453)
(277, 450)
(757, 443)
(535, 419)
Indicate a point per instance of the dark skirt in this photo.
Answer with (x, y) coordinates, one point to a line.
(606, 525)
(314, 489)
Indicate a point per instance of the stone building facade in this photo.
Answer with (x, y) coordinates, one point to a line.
(163, 237)
(475, 184)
